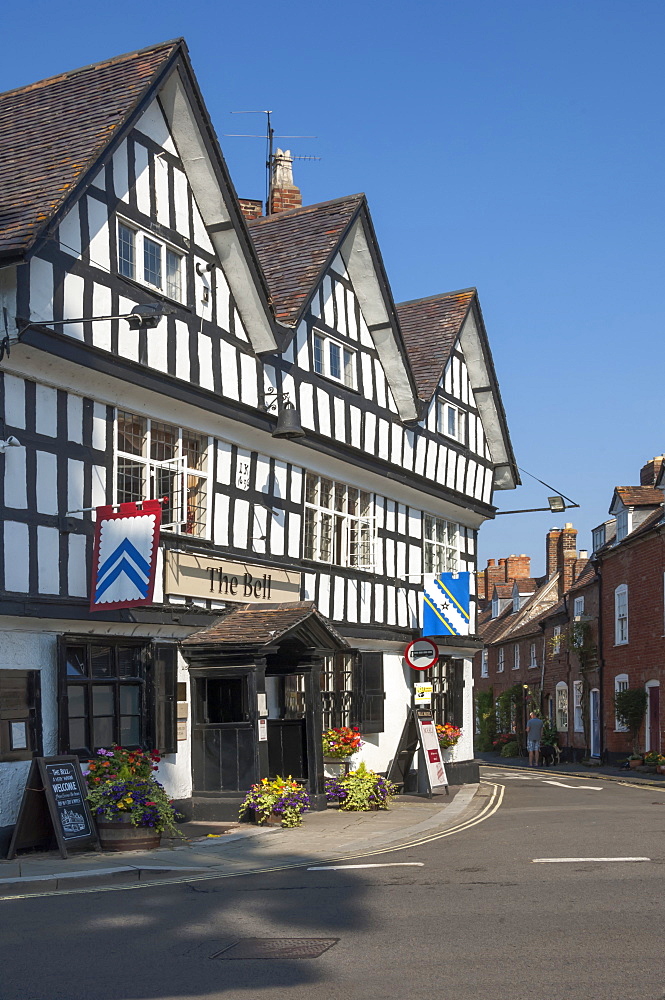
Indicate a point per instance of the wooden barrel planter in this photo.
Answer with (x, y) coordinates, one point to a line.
(122, 835)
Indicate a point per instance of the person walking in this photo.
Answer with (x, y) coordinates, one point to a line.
(534, 733)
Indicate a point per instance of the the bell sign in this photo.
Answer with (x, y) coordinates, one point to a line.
(421, 654)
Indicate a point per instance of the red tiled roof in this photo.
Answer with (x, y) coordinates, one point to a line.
(294, 247)
(526, 585)
(640, 496)
(260, 624)
(430, 327)
(53, 131)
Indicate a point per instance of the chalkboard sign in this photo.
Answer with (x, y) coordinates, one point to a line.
(54, 808)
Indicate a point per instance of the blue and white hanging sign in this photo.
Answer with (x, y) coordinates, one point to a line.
(125, 556)
(446, 604)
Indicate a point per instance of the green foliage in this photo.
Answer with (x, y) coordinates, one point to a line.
(550, 735)
(630, 707)
(486, 716)
(282, 797)
(509, 707)
(360, 790)
(511, 749)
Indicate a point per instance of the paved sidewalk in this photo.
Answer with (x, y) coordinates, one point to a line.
(641, 776)
(324, 836)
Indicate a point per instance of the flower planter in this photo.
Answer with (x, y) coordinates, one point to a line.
(635, 763)
(122, 835)
(337, 767)
(660, 769)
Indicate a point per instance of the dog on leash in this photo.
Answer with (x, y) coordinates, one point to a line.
(549, 755)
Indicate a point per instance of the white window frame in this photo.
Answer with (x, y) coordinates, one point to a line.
(556, 640)
(516, 656)
(484, 666)
(339, 526)
(500, 666)
(440, 545)
(533, 657)
(562, 707)
(138, 268)
(621, 615)
(598, 537)
(578, 607)
(624, 519)
(190, 518)
(323, 363)
(452, 420)
(621, 682)
(578, 720)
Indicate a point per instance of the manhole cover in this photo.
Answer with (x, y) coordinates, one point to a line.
(277, 948)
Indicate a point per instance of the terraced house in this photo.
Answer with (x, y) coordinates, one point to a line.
(314, 449)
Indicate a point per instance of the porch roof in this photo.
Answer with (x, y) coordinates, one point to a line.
(264, 624)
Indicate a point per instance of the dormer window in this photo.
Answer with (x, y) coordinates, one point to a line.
(452, 421)
(334, 360)
(623, 523)
(598, 537)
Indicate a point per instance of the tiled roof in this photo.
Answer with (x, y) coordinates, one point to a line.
(503, 589)
(639, 496)
(526, 585)
(585, 577)
(260, 625)
(430, 327)
(53, 131)
(293, 248)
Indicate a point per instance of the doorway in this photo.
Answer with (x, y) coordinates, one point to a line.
(287, 725)
(223, 744)
(594, 720)
(652, 741)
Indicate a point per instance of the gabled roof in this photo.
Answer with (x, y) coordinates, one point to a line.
(502, 590)
(636, 496)
(56, 135)
(295, 246)
(430, 328)
(525, 585)
(263, 625)
(53, 131)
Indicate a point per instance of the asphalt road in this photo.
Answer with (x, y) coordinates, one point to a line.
(477, 918)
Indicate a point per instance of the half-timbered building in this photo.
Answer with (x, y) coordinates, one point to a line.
(317, 449)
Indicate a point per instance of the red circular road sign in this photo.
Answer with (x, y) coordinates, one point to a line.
(421, 654)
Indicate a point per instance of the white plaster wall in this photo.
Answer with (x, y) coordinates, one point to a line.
(175, 769)
(29, 651)
(379, 749)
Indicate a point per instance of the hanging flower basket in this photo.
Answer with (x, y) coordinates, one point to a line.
(341, 743)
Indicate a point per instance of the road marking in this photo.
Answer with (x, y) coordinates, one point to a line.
(492, 807)
(591, 788)
(396, 864)
(560, 861)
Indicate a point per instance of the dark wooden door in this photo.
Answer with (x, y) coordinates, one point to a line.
(654, 719)
(287, 725)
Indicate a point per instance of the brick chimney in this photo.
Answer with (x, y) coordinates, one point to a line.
(251, 208)
(551, 546)
(650, 472)
(518, 568)
(567, 557)
(284, 193)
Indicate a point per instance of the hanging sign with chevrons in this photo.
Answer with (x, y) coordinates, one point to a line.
(125, 555)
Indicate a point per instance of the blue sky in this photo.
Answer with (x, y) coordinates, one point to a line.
(513, 145)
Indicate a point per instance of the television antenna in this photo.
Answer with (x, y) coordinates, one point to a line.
(269, 139)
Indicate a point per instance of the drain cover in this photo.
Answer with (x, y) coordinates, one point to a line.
(277, 948)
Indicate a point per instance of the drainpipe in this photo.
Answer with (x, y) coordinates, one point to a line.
(601, 661)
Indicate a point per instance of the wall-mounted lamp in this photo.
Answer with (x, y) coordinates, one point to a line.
(288, 418)
(11, 442)
(142, 317)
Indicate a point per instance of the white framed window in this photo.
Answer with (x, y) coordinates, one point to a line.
(578, 720)
(620, 684)
(334, 360)
(556, 640)
(452, 421)
(484, 666)
(623, 524)
(339, 523)
(598, 537)
(440, 544)
(562, 707)
(501, 661)
(533, 659)
(578, 607)
(516, 657)
(154, 459)
(147, 259)
(621, 615)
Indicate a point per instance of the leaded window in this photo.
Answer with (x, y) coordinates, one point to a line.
(339, 523)
(155, 460)
(337, 690)
(441, 544)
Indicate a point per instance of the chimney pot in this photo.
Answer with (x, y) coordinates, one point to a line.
(283, 192)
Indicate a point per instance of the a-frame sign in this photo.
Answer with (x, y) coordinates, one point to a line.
(419, 734)
(54, 809)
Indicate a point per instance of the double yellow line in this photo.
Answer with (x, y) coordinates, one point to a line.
(491, 806)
